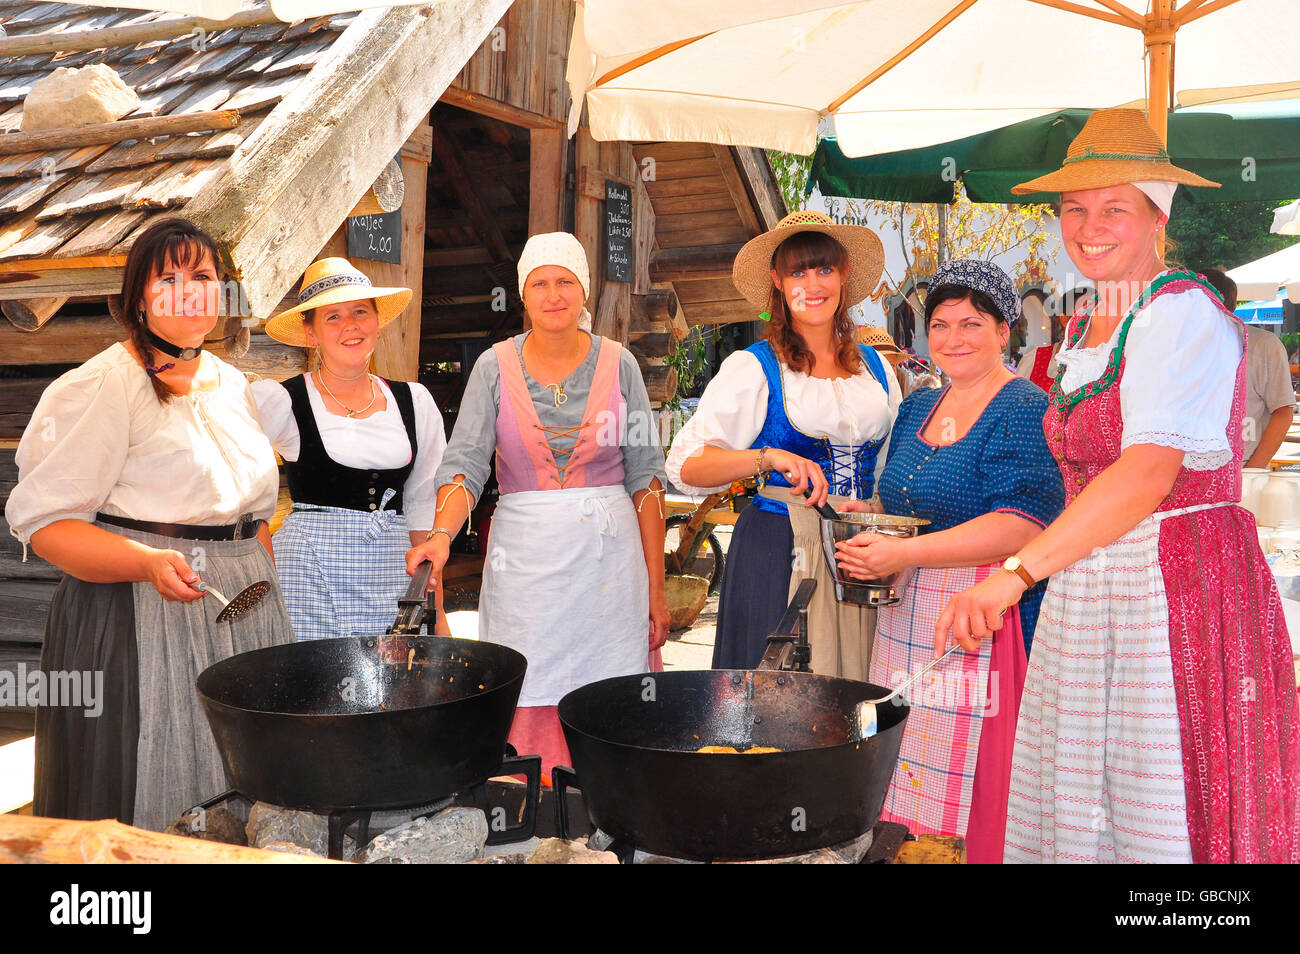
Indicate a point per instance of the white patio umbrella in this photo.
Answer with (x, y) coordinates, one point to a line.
(1286, 220)
(1261, 278)
(898, 74)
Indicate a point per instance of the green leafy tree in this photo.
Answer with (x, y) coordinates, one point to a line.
(1227, 234)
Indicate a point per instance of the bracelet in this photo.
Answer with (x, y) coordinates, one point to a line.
(437, 530)
(758, 472)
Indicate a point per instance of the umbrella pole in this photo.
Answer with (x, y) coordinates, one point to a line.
(1158, 34)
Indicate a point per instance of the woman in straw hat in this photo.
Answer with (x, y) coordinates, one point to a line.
(806, 411)
(360, 453)
(1159, 720)
(141, 471)
(574, 577)
(971, 459)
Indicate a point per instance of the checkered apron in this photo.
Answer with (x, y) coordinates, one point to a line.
(342, 571)
(933, 779)
(1097, 774)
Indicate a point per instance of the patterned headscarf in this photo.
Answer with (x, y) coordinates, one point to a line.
(977, 275)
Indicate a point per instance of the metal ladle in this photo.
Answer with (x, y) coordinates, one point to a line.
(244, 600)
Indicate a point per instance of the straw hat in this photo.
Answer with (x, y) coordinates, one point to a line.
(1114, 147)
(874, 336)
(752, 276)
(329, 282)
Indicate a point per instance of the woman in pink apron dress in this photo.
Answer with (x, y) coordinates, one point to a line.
(1158, 721)
(574, 573)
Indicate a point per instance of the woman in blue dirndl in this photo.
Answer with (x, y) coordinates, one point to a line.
(806, 409)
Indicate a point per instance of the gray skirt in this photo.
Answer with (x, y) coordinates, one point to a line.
(143, 752)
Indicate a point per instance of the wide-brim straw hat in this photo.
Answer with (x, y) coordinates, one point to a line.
(752, 271)
(1114, 147)
(874, 336)
(330, 281)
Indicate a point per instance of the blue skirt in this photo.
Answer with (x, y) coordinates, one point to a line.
(755, 587)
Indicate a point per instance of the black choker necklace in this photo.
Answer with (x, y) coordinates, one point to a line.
(166, 347)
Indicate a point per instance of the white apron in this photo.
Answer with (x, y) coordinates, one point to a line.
(565, 584)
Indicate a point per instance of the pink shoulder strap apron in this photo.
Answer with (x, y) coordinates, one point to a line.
(525, 460)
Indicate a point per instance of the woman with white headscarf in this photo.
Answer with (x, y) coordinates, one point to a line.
(574, 575)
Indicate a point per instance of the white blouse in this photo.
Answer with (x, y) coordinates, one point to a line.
(378, 441)
(731, 413)
(1180, 367)
(100, 441)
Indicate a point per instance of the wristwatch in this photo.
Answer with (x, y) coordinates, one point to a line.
(1013, 565)
(437, 530)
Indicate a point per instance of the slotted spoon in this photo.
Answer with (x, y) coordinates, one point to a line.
(244, 600)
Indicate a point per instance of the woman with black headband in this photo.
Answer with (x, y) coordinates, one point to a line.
(141, 472)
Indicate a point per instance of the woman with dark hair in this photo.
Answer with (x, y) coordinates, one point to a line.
(141, 471)
(971, 459)
(809, 409)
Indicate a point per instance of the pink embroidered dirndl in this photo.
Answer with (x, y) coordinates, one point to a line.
(951, 774)
(1158, 721)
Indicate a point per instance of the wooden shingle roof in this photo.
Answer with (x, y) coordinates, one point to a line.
(90, 202)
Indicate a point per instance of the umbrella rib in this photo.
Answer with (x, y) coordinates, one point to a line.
(1122, 15)
(1197, 9)
(901, 55)
(645, 58)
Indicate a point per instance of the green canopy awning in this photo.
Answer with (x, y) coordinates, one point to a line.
(1252, 149)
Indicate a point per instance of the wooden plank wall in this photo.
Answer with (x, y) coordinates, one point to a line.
(522, 61)
(25, 588)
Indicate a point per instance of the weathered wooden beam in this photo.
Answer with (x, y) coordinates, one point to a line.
(49, 280)
(464, 99)
(28, 839)
(610, 319)
(83, 40)
(693, 262)
(653, 345)
(736, 187)
(291, 183)
(660, 381)
(659, 304)
(769, 202)
(31, 314)
(149, 127)
(720, 312)
(547, 150)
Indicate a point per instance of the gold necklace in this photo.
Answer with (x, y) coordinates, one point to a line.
(374, 396)
(560, 396)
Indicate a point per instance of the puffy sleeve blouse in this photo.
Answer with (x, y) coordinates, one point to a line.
(732, 411)
(1180, 363)
(377, 441)
(99, 440)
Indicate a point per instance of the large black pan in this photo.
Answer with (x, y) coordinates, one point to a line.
(634, 739)
(364, 722)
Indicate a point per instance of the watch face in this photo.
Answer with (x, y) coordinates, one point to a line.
(1012, 564)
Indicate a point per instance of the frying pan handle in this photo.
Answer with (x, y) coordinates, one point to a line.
(419, 584)
(414, 607)
(562, 778)
(530, 767)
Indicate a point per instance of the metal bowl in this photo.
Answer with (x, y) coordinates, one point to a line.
(879, 592)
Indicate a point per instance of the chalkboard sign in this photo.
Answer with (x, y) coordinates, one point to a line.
(618, 231)
(376, 237)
